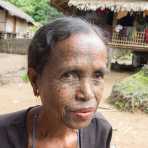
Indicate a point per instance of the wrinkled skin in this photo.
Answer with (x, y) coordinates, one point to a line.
(71, 80)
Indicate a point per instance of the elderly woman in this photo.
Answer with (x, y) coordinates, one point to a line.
(66, 64)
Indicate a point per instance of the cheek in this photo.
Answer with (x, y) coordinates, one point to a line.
(64, 97)
(65, 93)
(99, 92)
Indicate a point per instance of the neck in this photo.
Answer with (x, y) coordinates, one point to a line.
(49, 125)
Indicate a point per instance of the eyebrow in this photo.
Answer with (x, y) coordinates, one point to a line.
(102, 70)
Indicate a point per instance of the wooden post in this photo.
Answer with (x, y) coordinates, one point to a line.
(14, 25)
(110, 48)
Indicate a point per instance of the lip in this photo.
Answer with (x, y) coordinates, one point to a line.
(83, 113)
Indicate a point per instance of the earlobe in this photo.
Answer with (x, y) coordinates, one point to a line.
(36, 92)
(33, 77)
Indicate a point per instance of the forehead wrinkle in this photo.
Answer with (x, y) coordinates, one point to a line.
(79, 58)
(69, 50)
(81, 41)
(75, 54)
(82, 65)
(74, 50)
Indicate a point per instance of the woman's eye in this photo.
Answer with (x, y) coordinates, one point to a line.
(69, 75)
(98, 75)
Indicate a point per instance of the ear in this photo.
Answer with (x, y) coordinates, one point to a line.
(33, 77)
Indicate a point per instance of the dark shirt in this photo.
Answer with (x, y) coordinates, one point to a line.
(13, 132)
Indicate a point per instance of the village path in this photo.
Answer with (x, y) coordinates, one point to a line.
(129, 130)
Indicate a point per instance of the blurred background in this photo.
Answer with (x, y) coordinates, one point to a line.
(125, 27)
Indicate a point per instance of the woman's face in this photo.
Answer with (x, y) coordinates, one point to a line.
(71, 84)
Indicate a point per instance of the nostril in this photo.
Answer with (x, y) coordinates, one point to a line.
(83, 96)
(80, 95)
(85, 92)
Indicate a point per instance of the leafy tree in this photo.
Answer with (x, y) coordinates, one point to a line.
(40, 10)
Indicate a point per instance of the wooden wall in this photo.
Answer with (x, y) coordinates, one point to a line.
(16, 46)
(2, 19)
(12, 24)
(21, 26)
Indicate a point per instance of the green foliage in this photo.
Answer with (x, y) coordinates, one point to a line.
(24, 77)
(40, 10)
(131, 93)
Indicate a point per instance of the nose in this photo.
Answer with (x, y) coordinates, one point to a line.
(85, 92)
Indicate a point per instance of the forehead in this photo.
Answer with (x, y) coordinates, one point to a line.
(85, 52)
(79, 45)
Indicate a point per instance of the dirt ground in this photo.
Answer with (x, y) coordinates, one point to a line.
(130, 130)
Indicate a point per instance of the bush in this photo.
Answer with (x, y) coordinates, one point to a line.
(24, 77)
(131, 93)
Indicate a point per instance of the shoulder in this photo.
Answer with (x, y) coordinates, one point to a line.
(13, 129)
(98, 133)
(9, 119)
(100, 121)
(99, 125)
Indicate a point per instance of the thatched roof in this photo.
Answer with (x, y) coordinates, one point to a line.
(114, 5)
(14, 11)
(61, 5)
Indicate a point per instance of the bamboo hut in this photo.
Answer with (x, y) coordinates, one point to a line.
(135, 11)
(13, 21)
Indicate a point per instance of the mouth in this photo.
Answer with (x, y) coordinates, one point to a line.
(83, 113)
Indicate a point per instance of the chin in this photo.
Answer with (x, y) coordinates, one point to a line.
(77, 124)
(81, 125)
(77, 120)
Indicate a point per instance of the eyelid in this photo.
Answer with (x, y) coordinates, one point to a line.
(80, 74)
(72, 72)
(101, 73)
